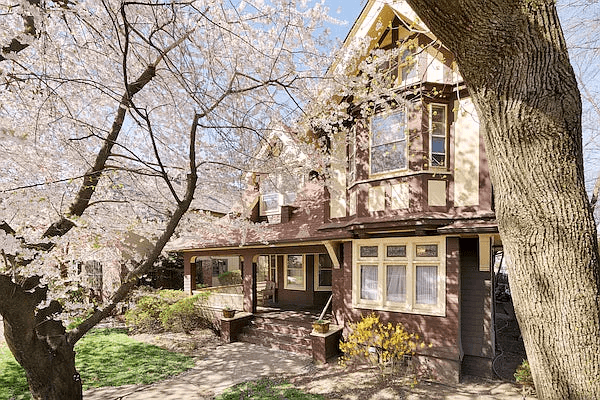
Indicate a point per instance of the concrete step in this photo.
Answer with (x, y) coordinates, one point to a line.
(281, 327)
(282, 337)
(289, 319)
(277, 341)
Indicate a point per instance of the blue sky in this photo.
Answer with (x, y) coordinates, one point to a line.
(347, 10)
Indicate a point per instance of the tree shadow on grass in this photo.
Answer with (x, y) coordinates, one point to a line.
(13, 383)
(114, 359)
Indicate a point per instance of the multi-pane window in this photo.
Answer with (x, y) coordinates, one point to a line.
(278, 190)
(426, 287)
(388, 71)
(269, 204)
(388, 142)
(267, 268)
(323, 270)
(396, 283)
(405, 275)
(294, 272)
(437, 128)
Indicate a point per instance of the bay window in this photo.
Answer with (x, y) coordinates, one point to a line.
(388, 142)
(437, 129)
(403, 275)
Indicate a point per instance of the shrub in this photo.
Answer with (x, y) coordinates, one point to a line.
(230, 278)
(144, 316)
(186, 315)
(171, 296)
(148, 306)
(381, 345)
(523, 374)
(169, 310)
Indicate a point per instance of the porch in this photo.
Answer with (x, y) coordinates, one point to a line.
(287, 329)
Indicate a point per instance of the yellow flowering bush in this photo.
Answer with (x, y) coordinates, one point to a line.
(381, 345)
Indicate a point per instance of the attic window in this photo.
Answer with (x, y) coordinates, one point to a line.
(389, 71)
(388, 142)
(408, 64)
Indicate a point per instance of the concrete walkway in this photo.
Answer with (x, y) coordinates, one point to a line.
(229, 364)
(233, 363)
(226, 366)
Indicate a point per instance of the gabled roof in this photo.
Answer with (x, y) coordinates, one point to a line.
(376, 16)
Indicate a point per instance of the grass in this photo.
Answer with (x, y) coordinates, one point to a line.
(267, 389)
(106, 357)
(13, 384)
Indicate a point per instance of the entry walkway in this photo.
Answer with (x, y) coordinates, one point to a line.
(233, 363)
(226, 366)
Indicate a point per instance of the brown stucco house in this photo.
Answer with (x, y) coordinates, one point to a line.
(403, 225)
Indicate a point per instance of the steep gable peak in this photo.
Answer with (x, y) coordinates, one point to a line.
(377, 16)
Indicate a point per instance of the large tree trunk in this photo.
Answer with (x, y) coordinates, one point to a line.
(513, 57)
(38, 342)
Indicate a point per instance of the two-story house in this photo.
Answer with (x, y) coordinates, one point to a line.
(403, 225)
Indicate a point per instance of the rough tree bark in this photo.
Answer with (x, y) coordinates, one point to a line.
(38, 343)
(513, 57)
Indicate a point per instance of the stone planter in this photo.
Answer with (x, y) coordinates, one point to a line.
(320, 326)
(228, 313)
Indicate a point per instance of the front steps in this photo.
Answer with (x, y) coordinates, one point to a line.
(283, 330)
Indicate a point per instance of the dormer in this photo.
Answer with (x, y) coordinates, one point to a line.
(281, 173)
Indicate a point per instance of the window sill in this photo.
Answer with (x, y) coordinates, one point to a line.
(433, 312)
(300, 289)
(376, 178)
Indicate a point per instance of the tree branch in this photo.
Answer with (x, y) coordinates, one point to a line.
(131, 280)
(92, 176)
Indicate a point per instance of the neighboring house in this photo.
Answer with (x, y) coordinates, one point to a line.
(403, 225)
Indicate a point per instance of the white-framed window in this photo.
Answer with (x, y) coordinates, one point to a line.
(388, 144)
(267, 268)
(277, 190)
(323, 272)
(438, 131)
(269, 204)
(387, 71)
(295, 272)
(402, 275)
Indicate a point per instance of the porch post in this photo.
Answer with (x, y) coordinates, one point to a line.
(189, 274)
(254, 268)
(249, 277)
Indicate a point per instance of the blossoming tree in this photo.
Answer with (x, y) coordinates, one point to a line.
(112, 115)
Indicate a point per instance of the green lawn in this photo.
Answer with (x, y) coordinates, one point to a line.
(104, 358)
(12, 377)
(267, 389)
